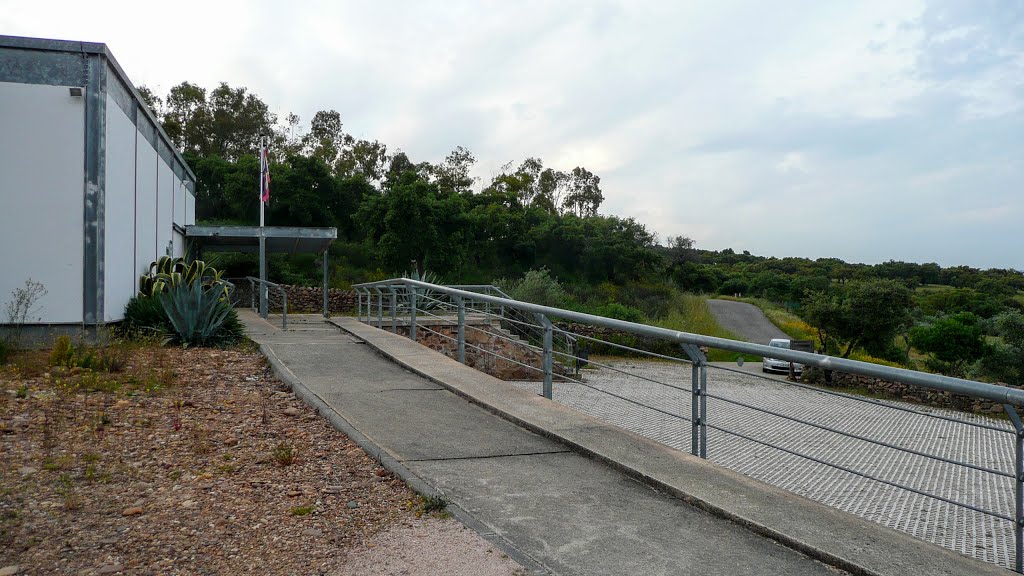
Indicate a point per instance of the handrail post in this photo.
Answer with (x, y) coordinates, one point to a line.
(548, 354)
(1018, 483)
(327, 310)
(462, 328)
(380, 307)
(252, 294)
(698, 401)
(284, 308)
(394, 309)
(359, 304)
(412, 312)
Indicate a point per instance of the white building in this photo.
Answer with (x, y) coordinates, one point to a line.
(91, 188)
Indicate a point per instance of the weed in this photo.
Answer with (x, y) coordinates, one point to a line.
(430, 504)
(22, 308)
(90, 457)
(54, 464)
(22, 391)
(303, 510)
(72, 500)
(176, 418)
(227, 469)
(175, 474)
(201, 441)
(283, 454)
(95, 382)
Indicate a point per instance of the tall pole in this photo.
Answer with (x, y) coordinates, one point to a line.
(264, 167)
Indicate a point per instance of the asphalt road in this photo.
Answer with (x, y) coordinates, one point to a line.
(744, 320)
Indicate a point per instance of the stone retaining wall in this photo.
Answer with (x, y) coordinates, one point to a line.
(302, 299)
(490, 339)
(904, 392)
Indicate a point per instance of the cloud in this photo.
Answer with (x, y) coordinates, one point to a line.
(812, 129)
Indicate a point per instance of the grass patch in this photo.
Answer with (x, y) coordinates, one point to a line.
(303, 510)
(932, 288)
(691, 313)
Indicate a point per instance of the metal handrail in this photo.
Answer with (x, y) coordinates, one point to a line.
(253, 281)
(692, 344)
(991, 392)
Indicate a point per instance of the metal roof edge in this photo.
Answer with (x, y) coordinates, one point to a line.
(52, 45)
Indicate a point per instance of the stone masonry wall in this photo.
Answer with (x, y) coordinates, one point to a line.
(490, 339)
(904, 392)
(303, 299)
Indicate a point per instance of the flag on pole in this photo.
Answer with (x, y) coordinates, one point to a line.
(264, 176)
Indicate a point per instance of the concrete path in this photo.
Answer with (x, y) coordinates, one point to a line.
(556, 509)
(745, 320)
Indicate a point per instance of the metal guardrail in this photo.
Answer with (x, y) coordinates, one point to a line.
(263, 286)
(423, 306)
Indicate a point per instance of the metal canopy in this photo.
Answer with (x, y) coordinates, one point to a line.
(279, 239)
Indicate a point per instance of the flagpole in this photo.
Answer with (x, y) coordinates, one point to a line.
(264, 161)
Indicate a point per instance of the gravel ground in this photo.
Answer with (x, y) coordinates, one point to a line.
(197, 462)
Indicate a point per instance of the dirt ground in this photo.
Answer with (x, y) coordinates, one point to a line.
(156, 460)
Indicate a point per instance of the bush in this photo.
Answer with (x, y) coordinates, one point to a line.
(197, 312)
(68, 355)
(186, 300)
(620, 312)
(144, 314)
(5, 351)
(536, 286)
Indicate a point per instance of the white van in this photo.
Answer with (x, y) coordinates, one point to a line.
(773, 365)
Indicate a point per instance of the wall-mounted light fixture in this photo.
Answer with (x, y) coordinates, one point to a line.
(75, 91)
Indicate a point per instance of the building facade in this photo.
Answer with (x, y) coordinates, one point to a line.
(91, 188)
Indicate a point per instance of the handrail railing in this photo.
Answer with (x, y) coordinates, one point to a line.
(264, 284)
(429, 307)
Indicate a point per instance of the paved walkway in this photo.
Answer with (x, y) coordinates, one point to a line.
(968, 532)
(557, 510)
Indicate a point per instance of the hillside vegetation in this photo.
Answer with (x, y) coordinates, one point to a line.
(395, 213)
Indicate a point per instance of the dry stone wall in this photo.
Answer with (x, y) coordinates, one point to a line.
(302, 299)
(901, 391)
(484, 344)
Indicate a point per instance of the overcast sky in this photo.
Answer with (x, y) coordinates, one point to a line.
(868, 130)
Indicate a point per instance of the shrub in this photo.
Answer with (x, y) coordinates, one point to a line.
(620, 312)
(197, 312)
(5, 351)
(145, 315)
(536, 286)
(186, 299)
(68, 355)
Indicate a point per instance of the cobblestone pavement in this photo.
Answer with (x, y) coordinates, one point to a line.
(968, 532)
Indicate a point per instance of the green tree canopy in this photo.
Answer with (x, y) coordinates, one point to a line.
(860, 313)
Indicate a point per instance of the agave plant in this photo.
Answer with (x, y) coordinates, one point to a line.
(170, 272)
(197, 310)
(426, 299)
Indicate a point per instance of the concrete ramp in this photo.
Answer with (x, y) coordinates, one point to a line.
(563, 492)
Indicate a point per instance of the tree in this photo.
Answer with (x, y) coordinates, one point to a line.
(952, 341)
(1005, 361)
(325, 138)
(154, 102)
(860, 313)
(584, 195)
(452, 176)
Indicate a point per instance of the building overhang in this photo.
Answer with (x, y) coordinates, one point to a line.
(279, 239)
